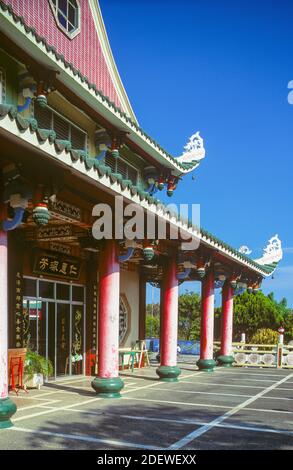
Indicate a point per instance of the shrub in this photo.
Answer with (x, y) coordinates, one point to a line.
(36, 364)
(265, 336)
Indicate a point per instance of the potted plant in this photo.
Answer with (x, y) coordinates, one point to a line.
(36, 368)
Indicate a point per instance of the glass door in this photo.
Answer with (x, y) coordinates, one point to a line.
(50, 334)
(63, 340)
(31, 314)
(55, 323)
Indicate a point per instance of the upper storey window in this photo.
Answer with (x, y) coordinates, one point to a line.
(67, 15)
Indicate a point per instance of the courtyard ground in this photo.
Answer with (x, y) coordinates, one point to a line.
(229, 409)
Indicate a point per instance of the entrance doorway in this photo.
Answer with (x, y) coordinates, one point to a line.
(56, 328)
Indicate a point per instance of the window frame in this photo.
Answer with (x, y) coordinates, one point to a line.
(54, 7)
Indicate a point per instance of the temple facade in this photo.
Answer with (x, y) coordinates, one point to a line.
(71, 145)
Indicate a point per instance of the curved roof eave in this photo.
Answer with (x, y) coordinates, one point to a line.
(45, 140)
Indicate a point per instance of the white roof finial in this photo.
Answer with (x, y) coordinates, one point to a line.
(272, 253)
(194, 149)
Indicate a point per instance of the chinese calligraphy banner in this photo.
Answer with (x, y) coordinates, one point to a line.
(50, 264)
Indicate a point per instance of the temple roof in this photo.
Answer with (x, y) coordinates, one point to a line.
(15, 27)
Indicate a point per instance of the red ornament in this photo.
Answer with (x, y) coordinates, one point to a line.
(171, 186)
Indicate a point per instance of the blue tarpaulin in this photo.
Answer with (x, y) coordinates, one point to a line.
(187, 347)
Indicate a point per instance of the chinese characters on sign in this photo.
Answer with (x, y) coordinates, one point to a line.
(63, 341)
(94, 322)
(21, 316)
(58, 266)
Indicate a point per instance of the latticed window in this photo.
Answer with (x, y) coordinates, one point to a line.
(124, 313)
(67, 13)
(122, 168)
(2, 85)
(61, 127)
(65, 130)
(118, 165)
(77, 138)
(44, 116)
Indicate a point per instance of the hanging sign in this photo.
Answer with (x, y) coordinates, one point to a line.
(94, 317)
(51, 264)
(21, 314)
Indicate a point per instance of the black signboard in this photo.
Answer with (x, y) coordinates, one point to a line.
(53, 264)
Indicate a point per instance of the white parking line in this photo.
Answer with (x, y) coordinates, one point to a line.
(203, 393)
(220, 385)
(179, 421)
(200, 423)
(285, 389)
(265, 410)
(91, 400)
(50, 402)
(66, 382)
(218, 394)
(245, 372)
(29, 398)
(74, 437)
(45, 394)
(207, 427)
(252, 380)
(179, 403)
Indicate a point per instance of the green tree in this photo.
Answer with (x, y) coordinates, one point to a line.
(152, 326)
(189, 307)
(189, 317)
(252, 312)
(256, 311)
(153, 309)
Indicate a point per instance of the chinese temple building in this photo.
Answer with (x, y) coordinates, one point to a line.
(70, 140)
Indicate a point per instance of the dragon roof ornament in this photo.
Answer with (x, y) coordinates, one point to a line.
(245, 250)
(194, 150)
(273, 252)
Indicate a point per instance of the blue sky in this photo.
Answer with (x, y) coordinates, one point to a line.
(221, 67)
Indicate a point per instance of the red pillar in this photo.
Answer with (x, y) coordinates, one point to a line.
(108, 382)
(206, 361)
(168, 370)
(7, 407)
(226, 359)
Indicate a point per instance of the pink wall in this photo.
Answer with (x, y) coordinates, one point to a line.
(84, 51)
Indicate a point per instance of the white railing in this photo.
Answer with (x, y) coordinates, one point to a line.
(261, 355)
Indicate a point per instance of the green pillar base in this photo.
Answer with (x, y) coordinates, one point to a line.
(225, 361)
(206, 365)
(7, 409)
(108, 387)
(168, 373)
